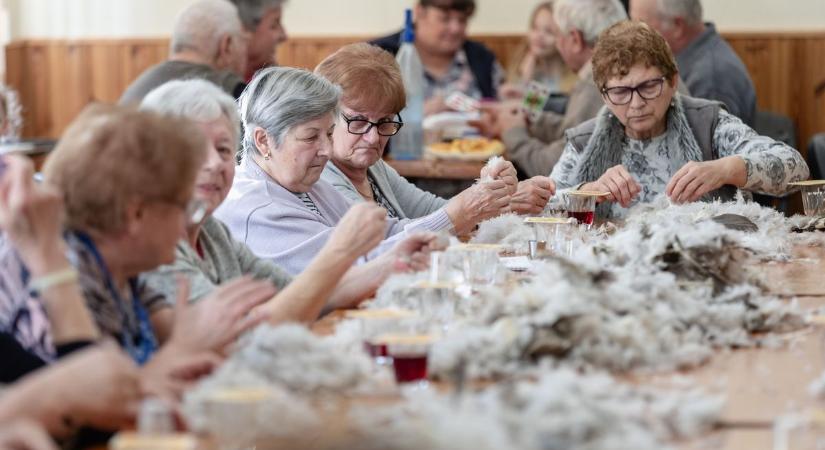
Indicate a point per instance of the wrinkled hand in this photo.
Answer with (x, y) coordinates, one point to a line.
(171, 371)
(25, 435)
(504, 171)
(532, 195)
(216, 321)
(100, 387)
(479, 202)
(413, 253)
(32, 216)
(695, 179)
(617, 180)
(360, 230)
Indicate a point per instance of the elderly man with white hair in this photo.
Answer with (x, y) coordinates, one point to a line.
(208, 42)
(262, 20)
(708, 65)
(536, 147)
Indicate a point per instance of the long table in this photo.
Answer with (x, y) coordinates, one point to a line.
(760, 384)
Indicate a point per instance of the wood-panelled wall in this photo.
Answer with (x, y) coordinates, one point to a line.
(57, 78)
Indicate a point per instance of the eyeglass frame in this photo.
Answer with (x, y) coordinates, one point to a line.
(348, 120)
(635, 89)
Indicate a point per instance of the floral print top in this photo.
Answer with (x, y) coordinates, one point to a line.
(770, 164)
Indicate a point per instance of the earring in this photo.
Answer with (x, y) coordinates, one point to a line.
(266, 156)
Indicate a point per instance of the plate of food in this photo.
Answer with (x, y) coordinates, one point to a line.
(468, 149)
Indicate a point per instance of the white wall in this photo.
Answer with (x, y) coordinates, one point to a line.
(151, 18)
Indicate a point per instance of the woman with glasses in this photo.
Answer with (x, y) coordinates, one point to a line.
(208, 256)
(279, 207)
(372, 96)
(649, 140)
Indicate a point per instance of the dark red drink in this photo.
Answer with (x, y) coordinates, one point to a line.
(410, 368)
(584, 217)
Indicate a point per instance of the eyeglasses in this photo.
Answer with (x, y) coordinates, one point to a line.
(384, 127)
(622, 95)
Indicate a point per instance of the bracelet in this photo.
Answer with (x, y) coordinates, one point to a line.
(38, 285)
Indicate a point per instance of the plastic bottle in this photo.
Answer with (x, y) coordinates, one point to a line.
(409, 142)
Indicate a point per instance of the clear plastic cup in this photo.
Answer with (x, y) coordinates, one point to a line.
(581, 205)
(813, 201)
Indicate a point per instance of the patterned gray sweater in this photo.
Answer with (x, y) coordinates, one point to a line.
(771, 165)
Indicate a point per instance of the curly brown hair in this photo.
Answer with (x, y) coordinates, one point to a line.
(627, 44)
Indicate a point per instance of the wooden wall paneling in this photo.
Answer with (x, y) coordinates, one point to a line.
(139, 55)
(37, 118)
(107, 75)
(72, 89)
(811, 80)
(770, 63)
(504, 46)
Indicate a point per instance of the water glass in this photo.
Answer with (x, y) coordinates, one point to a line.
(813, 201)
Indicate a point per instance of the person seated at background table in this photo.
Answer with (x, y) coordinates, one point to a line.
(207, 255)
(536, 147)
(372, 96)
(538, 59)
(262, 20)
(650, 140)
(452, 63)
(127, 197)
(209, 42)
(708, 64)
(278, 206)
(10, 114)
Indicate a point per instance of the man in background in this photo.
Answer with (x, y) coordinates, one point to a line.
(208, 42)
(707, 64)
(262, 20)
(452, 63)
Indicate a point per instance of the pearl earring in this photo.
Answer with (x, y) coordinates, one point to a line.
(266, 156)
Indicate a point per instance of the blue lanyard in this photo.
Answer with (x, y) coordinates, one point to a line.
(142, 347)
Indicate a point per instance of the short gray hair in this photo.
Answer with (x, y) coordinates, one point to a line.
(202, 24)
(195, 99)
(279, 98)
(252, 11)
(590, 17)
(689, 10)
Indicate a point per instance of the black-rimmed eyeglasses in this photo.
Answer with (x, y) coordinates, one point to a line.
(622, 95)
(363, 126)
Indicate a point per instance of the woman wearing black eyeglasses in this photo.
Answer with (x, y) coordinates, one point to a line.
(649, 140)
(372, 96)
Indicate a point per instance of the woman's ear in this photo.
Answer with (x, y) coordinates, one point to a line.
(263, 144)
(133, 214)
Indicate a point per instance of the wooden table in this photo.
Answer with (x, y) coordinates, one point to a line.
(759, 384)
(437, 168)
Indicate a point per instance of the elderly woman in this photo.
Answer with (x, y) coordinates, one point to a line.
(650, 140)
(373, 95)
(209, 256)
(127, 198)
(277, 205)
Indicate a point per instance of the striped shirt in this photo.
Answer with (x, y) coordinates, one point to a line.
(304, 197)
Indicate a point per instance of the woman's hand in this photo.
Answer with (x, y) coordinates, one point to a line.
(511, 91)
(218, 319)
(695, 179)
(170, 371)
(479, 202)
(32, 216)
(617, 180)
(24, 434)
(413, 253)
(504, 171)
(99, 387)
(362, 228)
(532, 195)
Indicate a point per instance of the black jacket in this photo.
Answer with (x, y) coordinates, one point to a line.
(481, 60)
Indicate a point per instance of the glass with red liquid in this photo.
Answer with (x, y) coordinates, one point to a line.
(376, 322)
(581, 205)
(409, 355)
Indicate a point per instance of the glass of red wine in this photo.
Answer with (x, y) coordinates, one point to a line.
(409, 355)
(581, 205)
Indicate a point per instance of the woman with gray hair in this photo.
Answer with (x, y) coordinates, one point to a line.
(208, 255)
(278, 205)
